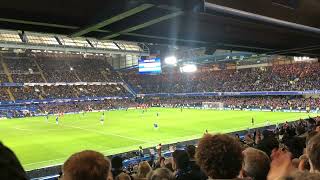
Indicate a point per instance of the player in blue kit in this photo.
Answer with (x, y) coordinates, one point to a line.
(155, 126)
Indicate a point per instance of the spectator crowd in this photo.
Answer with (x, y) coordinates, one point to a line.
(242, 102)
(289, 77)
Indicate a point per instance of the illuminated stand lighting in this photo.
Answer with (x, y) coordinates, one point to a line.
(171, 60)
(188, 68)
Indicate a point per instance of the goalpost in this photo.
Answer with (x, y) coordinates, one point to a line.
(212, 105)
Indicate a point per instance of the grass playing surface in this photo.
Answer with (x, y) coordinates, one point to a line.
(39, 143)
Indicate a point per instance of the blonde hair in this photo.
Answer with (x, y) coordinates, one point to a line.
(143, 169)
(123, 176)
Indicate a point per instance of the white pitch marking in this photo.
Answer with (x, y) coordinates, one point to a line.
(104, 133)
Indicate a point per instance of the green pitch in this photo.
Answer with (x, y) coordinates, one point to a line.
(39, 143)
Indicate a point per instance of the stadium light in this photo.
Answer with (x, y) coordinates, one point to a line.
(188, 68)
(172, 60)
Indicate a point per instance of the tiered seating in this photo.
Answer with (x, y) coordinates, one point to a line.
(4, 96)
(57, 71)
(23, 69)
(300, 76)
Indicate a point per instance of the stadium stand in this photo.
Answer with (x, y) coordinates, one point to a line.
(182, 90)
(290, 77)
(94, 85)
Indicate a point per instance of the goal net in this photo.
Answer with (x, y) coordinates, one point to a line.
(212, 105)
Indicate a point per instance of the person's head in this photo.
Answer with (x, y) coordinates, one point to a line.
(219, 156)
(10, 167)
(256, 164)
(267, 133)
(310, 135)
(161, 174)
(191, 150)
(302, 175)
(313, 152)
(295, 145)
(168, 164)
(268, 145)
(86, 165)
(143, 169)
(123, 176)
(116, 162)
(180, 160)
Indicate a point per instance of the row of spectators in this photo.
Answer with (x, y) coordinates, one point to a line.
(87, 106)
(70, 107)
(289, 152)
(258, 102)
(298, 76)
(49, 92)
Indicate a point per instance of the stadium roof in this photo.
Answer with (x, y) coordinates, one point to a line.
(246, 25)
(10, 39)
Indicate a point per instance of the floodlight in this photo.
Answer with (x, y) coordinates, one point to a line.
(172, 60)
(188, 68)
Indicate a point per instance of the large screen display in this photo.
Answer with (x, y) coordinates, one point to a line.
(149, 66)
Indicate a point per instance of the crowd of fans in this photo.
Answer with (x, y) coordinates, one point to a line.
(56, 108)
(66, 107)
(4, 96)
(27, 78)
(28, 69)
(62, 91)
(298, 76)
(248, 102)
(288, 152)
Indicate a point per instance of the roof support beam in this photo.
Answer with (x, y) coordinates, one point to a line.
(143, 25)
(112, 20)
(259, 18)
(18, 21)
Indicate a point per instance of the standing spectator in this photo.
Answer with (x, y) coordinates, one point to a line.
(10, 167)
(268, 145)
(256, 164)
(219, 156)
(313, 152)
(195, 170)
(181, 165)
(117, 166)
(123, 176)
(143, 169)
(161, 174)
(86, 165)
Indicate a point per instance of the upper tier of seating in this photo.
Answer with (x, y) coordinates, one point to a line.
(299, 76)
(39, 69)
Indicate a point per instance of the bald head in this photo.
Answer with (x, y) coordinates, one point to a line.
(256, 164)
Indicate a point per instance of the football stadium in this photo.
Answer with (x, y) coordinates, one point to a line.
(160, 90)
